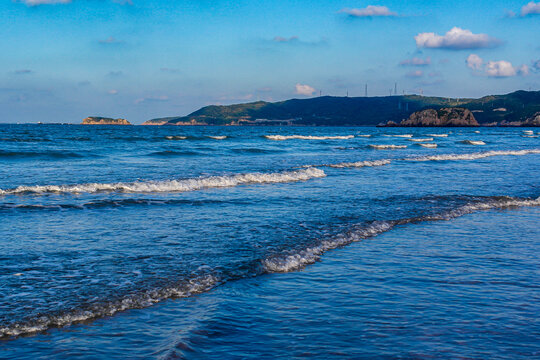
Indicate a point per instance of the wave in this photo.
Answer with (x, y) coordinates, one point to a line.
(359, 164)
(298, 260)
(46, 154)
(363, 135)
(387, 147)
(307, 137)
(176, 137)
(172, 153)
(400, 135)
(473, 142)
(145, 299)
(287, 261)
(528, 132)
(473, 156)
(421, 139)
(428, 145)
(222, 137)
(438, 135)
(529, 136)
(256, 151)
(182, 185)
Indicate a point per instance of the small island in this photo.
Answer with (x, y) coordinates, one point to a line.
(97, 120)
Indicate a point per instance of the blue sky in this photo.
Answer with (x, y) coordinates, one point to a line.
(64, 60)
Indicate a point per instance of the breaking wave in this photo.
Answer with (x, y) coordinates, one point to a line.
(473, 156)
(421, 140)
(145, 299)
(223, 137)
(428, 145)
(359, 164)
(307, 137)
(295, 261)
(400, 135)
(437, 135)
(473, 142)
(176, 137)
(387, 147)
(182, 185)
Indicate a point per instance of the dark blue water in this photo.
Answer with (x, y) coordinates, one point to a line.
(187, 241)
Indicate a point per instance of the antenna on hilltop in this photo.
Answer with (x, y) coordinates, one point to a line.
(395, 88)
(320, 92)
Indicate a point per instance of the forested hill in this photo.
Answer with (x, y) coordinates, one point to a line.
(336, 111)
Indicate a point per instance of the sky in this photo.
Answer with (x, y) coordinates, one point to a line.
(64, 60)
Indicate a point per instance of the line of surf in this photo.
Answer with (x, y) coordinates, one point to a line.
(182, 185)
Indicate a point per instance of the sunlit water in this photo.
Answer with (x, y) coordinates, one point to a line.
(187, 241)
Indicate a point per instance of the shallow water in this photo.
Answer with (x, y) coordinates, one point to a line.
(98, 221)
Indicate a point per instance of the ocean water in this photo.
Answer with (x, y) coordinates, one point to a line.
(265, 242)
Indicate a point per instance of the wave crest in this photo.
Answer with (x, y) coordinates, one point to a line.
(183, 185)
(306, 137)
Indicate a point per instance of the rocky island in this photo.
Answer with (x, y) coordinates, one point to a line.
(97, 120)
(444, 117)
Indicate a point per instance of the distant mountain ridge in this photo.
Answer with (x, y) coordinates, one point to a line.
(515, 107)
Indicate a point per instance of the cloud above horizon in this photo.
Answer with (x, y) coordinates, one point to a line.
(416, 61)
(303, 89)
(44, 2)
(497, 69)
(531, 8)
(369, 11)
(455, 39)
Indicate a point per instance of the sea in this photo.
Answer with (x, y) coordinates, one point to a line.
(172, 242)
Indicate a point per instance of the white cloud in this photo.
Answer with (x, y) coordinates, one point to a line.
(369, 11)
(304, 90)
(499, 69)
(475, 62)
(530, 8)
(455, 39)
(415, 61)
(44, 2)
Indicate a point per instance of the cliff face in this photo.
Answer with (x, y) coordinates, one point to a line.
(96, 120)
(441, 117)
(533, 121)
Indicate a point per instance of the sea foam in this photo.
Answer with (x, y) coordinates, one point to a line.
(307, 137)
(387, 147)
(182, 185)
(473, 156)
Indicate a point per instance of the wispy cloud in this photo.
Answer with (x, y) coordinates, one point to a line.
(169, 70)
(110, 40)
(152, 99)
(303, 89)
(23, 72)
(496, 69)
(455, 39)
(295, 40)
(415, 74)
(44, 2)
(416, 61)
(369, 11)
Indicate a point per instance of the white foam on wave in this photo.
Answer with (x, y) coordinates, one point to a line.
(529, 136)
(222, 137)
(307, 137)
(438, 135)
(473, 142)
(182, 185)
(145, 299)
(296, 261)
(175, 137)
(528, 132)
(359, 164)
(421, 139)
(400, 135)
(428, 145)
(473, 156)
(364, 135)
(387, 147)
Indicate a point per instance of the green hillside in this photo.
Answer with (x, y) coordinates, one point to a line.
(336, 111)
